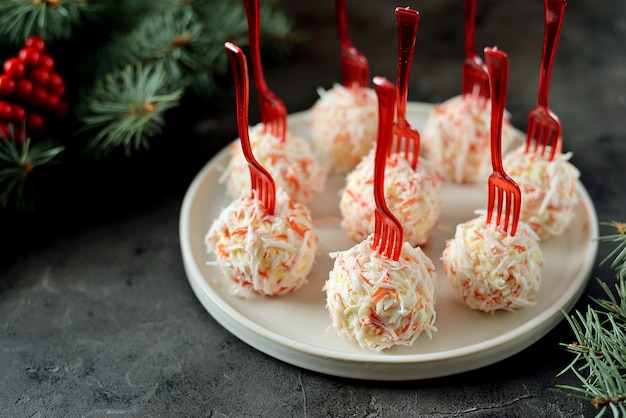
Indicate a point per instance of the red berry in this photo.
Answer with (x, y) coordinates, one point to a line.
(6, 111)
(52, 102)
(46, 62)
(24, 88)
(55, 84)
(29, 56)
(34, 122)
(18, 114)
(14, 68)
(40, 76)
(7, 85)
(39, 96)
(35, 42)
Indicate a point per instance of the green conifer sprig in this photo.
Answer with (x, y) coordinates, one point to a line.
(52, 20)
(618, 255)
(126, 62)
(128, 108)
(18, 160)
(599, 349)
(167, 36)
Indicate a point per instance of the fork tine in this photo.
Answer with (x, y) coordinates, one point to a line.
(490, 200)
(498, 204)
(355, 68)
(543, 133)
(530, 133)
(508, 203)
(397, 244)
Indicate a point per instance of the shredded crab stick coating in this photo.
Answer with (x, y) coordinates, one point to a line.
(413, 196)
(380, 302)
(491, 269)
(268, 254)
(291, 163)
(548, 187)
(456, 138)
(344, 125)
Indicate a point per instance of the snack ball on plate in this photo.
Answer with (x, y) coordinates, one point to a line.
(291, 163)
(413, 196)
(457, 138)
(548, 189)
(268, 254)
(379, 302)
(344, 126)
(490, 269)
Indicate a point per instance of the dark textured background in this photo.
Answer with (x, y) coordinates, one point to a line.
(96, 314)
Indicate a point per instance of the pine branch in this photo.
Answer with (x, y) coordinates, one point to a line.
(600, 334)
(162, 36)
(18, 160)
(618, 255)
(127, 110)
(185, 40)
(140, 58)
(51, 19)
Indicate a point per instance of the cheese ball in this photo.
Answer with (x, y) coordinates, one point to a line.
(268, 254)
(457, 138)
(290, 162)
(379, 302)
(492, 270)
(548, 189)
(413, 196)
(344, 126)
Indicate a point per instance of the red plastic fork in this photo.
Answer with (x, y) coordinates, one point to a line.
(388, 233)
(262, 181)
(544, 127)
(354, 66)
(501, 186)
(273, 110)
(405, 136)
(475, 75)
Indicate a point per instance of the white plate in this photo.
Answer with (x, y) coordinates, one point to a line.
(296, 328)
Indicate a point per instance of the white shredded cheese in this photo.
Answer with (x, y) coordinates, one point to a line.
(548, 189)
(344, 125)
(379, 302)
(457, 138)
(268, 254)
(291, 163)
(491, 269)
(413, 196)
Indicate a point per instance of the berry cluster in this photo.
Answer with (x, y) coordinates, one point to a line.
(30, 89)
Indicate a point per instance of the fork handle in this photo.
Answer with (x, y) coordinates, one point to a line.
(469, 17)
(242, 93)
(354, 66)
(407, 21)
(385, 91)
(498, 65)
(554, 10)
(254, 35)
(342, 24)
